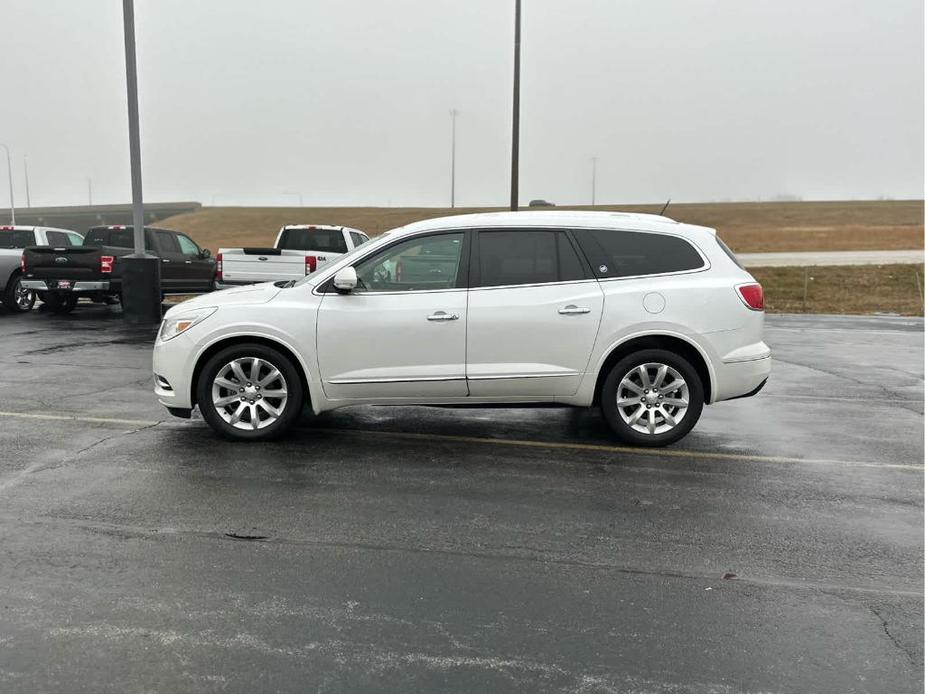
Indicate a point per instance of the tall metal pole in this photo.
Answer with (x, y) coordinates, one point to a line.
(134, 138)
(141, 272)
(515, 139)
(89, 191)
(593, 180)
(453, 114)
(25, 167)
(9, 171)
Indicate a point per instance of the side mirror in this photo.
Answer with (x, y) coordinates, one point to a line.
(206, 253)
(345, 280)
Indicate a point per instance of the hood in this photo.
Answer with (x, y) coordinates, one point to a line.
(251, 294)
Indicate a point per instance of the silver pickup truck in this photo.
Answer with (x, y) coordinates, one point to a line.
(13, 239)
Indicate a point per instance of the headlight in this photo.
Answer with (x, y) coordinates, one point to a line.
(177, 325)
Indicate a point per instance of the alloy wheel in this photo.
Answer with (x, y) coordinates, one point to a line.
(249, 393)
(653, 398)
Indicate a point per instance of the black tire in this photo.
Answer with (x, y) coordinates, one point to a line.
(60, 304)
(623, 368)
(15, 298)
(291, 408)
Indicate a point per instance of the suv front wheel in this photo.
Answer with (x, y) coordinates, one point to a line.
(653, 397)
(250, 392)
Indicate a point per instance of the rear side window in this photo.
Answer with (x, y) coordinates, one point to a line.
(634, 253)
(58, 238)
(325, 240)
(16, 238)
(167, 242)
(120, 238)
(526, 257)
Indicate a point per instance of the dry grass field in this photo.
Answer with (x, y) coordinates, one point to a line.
(748, 227)
(856, 289)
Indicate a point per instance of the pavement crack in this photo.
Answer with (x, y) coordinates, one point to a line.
(117, 435)
(886, 630)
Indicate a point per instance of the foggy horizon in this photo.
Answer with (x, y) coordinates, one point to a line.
(251, 106)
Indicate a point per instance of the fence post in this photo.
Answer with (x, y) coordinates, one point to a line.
(805, 286)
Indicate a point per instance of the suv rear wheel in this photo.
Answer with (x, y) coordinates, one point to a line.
(653, 397)
(250, 392)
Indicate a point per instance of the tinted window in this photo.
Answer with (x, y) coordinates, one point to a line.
(58, 238)
(187, 247)
(325, 240)
(120, 238)
(431, 262)
(632, 253)
(526, 257)
(167, 242)
(358, 239)
(16, 239)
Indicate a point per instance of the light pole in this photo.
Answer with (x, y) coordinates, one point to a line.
(299, 195)
(593, 180)
(453, 114)
(515, 125)
(9, 172)
(25, 168)
(141, 272)
(89, 191)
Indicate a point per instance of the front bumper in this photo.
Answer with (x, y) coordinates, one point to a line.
(77, 286)
(173, 372)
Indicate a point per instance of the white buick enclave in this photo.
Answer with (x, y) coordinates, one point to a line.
(647, 318)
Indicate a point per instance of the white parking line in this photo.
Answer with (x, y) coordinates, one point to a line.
(526, 443)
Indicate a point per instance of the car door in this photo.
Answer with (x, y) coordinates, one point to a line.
(199, 270)
(402, 332)
(534, 313)
(173, 270)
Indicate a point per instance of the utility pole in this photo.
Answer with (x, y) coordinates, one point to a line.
(25, 166)
(89, 191)
(453, 114)
(141, 273)
(515, 139)
(593, 180)
(9, 172)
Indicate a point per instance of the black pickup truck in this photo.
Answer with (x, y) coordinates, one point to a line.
(61, 275)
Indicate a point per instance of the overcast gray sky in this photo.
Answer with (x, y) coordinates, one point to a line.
(348, 102)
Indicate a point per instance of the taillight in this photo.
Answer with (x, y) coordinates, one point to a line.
(106, 263)
(311, 264)
(752, 295)
(218, 266)
(22, 262)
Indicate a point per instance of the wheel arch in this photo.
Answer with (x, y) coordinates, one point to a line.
(671, 342)
(231, 341)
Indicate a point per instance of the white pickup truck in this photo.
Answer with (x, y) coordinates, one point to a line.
(13, 239)
(300, 250)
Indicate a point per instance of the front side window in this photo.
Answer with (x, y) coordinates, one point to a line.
(358, 238)
(58, 238)
(76, 239)
(526, 257)
(417, 264)
(187, 247)
(615, 253)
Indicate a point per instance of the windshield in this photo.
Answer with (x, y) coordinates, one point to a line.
(346, 258)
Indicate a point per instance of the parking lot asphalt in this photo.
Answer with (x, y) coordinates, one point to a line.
(477, 550)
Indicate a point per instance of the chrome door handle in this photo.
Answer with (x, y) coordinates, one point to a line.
(572, 308)
(443, 316)
(188, 262)
(164, 260)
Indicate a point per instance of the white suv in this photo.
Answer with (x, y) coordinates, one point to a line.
(647, 318)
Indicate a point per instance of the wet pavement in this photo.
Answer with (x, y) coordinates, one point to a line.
(477, 550)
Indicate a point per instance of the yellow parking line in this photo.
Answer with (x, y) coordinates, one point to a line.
(528, 443)
(602, 448)
(78, 418)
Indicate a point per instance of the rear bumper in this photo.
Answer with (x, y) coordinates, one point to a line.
(79, 286)
(741, 379)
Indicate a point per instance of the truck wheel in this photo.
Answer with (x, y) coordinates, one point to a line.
(17, 298)
(250, 392)
(61, 304)
(652, 398)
